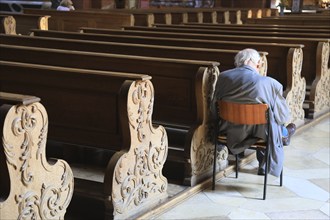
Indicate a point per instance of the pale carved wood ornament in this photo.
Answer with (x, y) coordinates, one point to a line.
(37, 189)
(320, 91)
(296, 87)
(137, 183)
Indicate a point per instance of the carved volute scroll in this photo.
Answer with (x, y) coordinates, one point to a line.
(263, 64)
(238, 17)
(38, 190)
(259, 13)
(184, 17)
(150, 20)
(202, 146)
(43, 22)
(200, 17)
(214, 17)
(9, 24)
(168, 18)
(226, 17)
(137, 182)
(320, 91)
(132, 20)
(249, 14)
(296, 86)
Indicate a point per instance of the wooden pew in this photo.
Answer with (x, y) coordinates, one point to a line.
(8, 24)
(181, 102)
(101, 110)
(30, 186)
(304, 15)
(235, 16)
(73, 20)
(289, 21)
(269, 28)
(314, 70)
(190, 51)
(203, 15)
(140, 17)
(201, 30)
(25, 22)
(211, 15)
(279, 59)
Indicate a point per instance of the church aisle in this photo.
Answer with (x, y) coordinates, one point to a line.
(305, 193)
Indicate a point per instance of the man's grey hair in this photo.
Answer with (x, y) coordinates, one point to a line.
(244, 56)
(66, 3)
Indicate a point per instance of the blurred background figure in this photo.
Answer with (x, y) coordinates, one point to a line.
(65, 5)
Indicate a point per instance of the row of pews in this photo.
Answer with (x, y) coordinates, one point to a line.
(114, 18)
(129, 108)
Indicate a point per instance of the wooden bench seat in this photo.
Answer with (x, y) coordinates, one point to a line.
(26, 22)
(289, 21)
(178, 101)
(189, 51)
(283, 26)
(196, 29)
(279, 59)
(314, 70)
(140, 17)
(105, 111)
(72, 20)
(270, 28)
(28, 181)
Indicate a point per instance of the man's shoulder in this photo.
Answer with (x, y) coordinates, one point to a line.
(270, 82)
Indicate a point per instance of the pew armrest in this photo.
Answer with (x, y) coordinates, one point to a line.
(11, 98)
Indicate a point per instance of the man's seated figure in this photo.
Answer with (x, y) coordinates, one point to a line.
(244, 84)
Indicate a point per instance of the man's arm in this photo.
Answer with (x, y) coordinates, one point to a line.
(281, 109)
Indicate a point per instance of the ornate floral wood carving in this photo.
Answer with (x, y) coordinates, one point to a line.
(202, 146)
(320, 90)
(200, 17)
(9, 24)
(238, 17)
(43, 22)
(168, 18)
(150, 20)
(37, 190)
(296, 86)
(226, 17)
(184, 17)
(214, 17)
(264, 64)
(138, 183)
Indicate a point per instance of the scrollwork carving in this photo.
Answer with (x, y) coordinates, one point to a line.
(202, 145)
(295, 93)
(43, 23)
(322, 91)
(39, 190)
(10, 25)
(138, 179)
(22, 125)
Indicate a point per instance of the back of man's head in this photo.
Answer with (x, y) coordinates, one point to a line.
(244, 56)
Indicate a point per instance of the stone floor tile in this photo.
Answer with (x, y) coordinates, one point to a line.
(308, 215)
(308, 173)
(306, 189)
(247, 214)
(304, 195)
(282, 205)
(322, 183)
(326, 209)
